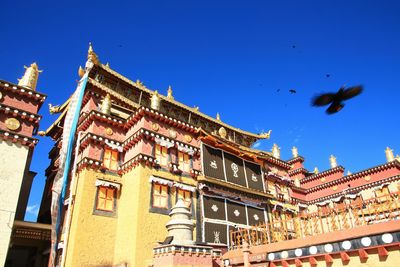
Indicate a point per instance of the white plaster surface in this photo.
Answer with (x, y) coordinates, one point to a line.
(12, 165)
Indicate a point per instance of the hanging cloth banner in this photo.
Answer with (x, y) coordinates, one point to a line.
(60, 180)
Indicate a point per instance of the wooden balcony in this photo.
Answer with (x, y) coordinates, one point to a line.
(371, 211)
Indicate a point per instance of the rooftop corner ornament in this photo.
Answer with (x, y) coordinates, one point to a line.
(30, 77)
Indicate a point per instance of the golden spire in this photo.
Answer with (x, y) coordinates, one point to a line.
(389, 154)
(92, 55)
(316, 171)
(106, 104)
(218, 117)
(170, 93)
(295, 152)
(276, 152)
(332, 160)
(155, 101)
(349, 173)
(30, 77)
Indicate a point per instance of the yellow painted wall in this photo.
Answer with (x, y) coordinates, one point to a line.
(138, 228)
(130, 237)
(92, 237)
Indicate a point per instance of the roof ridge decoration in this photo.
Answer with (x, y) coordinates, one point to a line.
(138, 84)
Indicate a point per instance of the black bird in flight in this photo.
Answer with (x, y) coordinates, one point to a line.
(292, 91)
(336, 99)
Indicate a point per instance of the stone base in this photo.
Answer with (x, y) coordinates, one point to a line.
(186, 256)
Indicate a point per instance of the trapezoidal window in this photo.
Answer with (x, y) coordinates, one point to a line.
(110, 159)
(161, 155)
(105, 198)
(160, 196)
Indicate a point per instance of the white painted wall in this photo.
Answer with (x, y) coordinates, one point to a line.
(12, 166)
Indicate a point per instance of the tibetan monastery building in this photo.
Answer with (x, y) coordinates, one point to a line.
(138, 152)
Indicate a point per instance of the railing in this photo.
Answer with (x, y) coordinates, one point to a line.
(374, 210)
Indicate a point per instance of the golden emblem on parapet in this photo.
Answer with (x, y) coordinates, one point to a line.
(13, 124)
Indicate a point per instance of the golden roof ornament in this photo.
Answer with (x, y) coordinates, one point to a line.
(92, 55)
(349, 173)
(332, 160)
(316, 171)
(81, 72)
(54, 109)
(155, 101)
(30, 77)
(169, 96)
(295, 152)
(218, 117)
(265, 135)
(276, 152)
(106, 104)
(389, 154)
(196, 108)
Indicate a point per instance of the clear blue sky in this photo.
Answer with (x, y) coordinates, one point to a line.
(229, 57)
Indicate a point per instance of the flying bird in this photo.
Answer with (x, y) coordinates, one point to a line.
(292, 91)
(336, 99)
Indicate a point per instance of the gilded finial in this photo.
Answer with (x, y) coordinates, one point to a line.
(316, 171)
(30, 77)
(196, 108)
(349, 173)
(332, 160)
(169, 96)
(106, 104)
(266, 135)
(218, 117)
(107, 65)
(295, 152)
(389, 154)
(155, 101)
(92, 55)
(276, 152)
(81, 71)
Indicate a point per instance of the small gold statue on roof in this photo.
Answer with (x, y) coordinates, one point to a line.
(196, 108)
(316, 171)
(30, 77)
(155, 101)
(169, 96)
(106, 104)
(389, 154)
(332, 160)
(295, 152)
(276, 152)
(218, 117)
